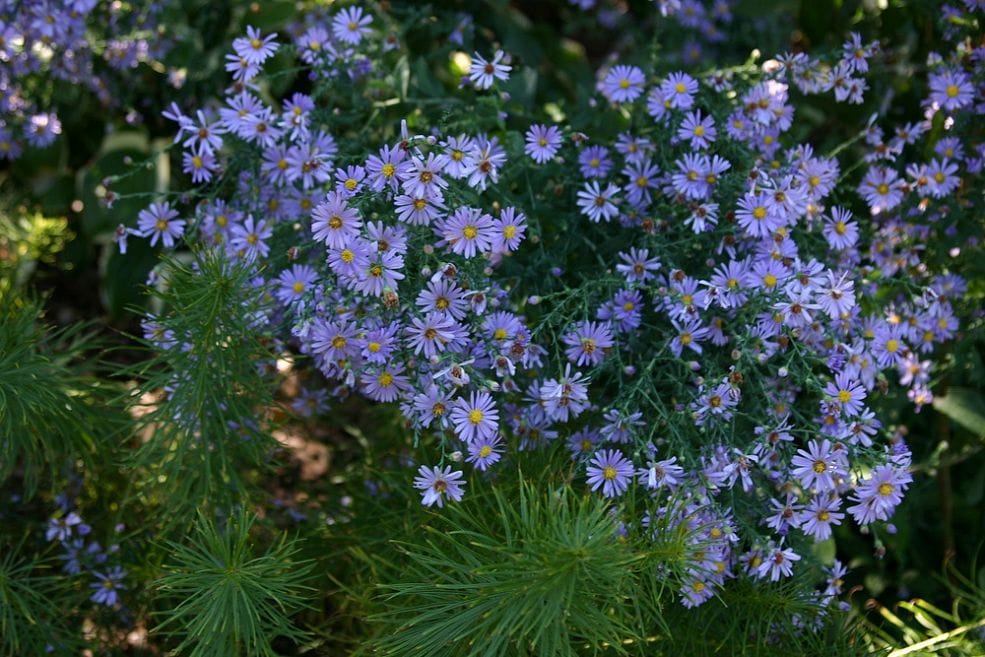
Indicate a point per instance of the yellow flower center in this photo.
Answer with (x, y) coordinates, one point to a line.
(886, 489)
(952, 91)
(388, 170)
(609, 472)
(385, 379)
(475, 416)
(298, 287)
(470, 232)
(759, 212)
(820, 467)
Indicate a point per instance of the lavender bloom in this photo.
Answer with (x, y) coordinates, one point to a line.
(255, 48)
(158, 223)
(107, 586)
(436, 484)
(483, 73)
(623, 84)
(595, 162)
(611, 471)
(543, 142)
(294, 282)
(434, 334)
(587, 343)
(333, 222)
(60, 529)
(820, 514)
(597, 204)
(820, 467)
(350, 25)
(485, 452)
(476, 418)
(778, 563)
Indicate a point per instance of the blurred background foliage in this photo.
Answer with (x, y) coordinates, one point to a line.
(916, 591)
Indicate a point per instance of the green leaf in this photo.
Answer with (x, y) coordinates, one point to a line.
(966, 407)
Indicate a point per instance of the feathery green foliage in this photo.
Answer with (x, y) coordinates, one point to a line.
(204, 433)
(543, 573)
(50, 412)
(29, 615)
(230, 598)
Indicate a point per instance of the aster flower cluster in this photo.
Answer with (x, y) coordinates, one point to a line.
(83, 555)
(50, 40)
(719, 364)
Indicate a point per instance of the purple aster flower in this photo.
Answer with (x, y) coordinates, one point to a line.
(509, 230)
(623, 311)
(951, 89)
(658, 474)
(158, 223)
(462, 152)
(611, 471)
(849, 394)
(696, 590)
(755, 217)
(678, 90)
(444, 296)
(490, 157)
(622, 84)
(468, 231)
(819, 467)
(382, 169)
(689, 334)
(597, 204)
(583, 442)
(836, 296)
(595, 162)
(840, 231)
(350, 25)
(333, 222)
(483, 73)
(386, 383)
(816, 519)
(418, 210)
(107, 586)
(432, 405)
(348, 179)
(881, 188)
(255, 48)
(619, 427)
(436, 484)
(60, 529)
(699, 131)
(476, 418)
(294, 282)
(543, 142)
(485, 452)
(381, 272)
(42, 129)
(201, 167)
(434, 334)
(777, 563)
(642, 174)
(879, 494)
(637, 265)
(587, 343)
(249, 238)
(422, 177)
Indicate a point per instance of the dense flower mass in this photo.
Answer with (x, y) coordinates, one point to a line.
(718, 353)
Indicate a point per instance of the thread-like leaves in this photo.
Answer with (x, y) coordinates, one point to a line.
(230, 598)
